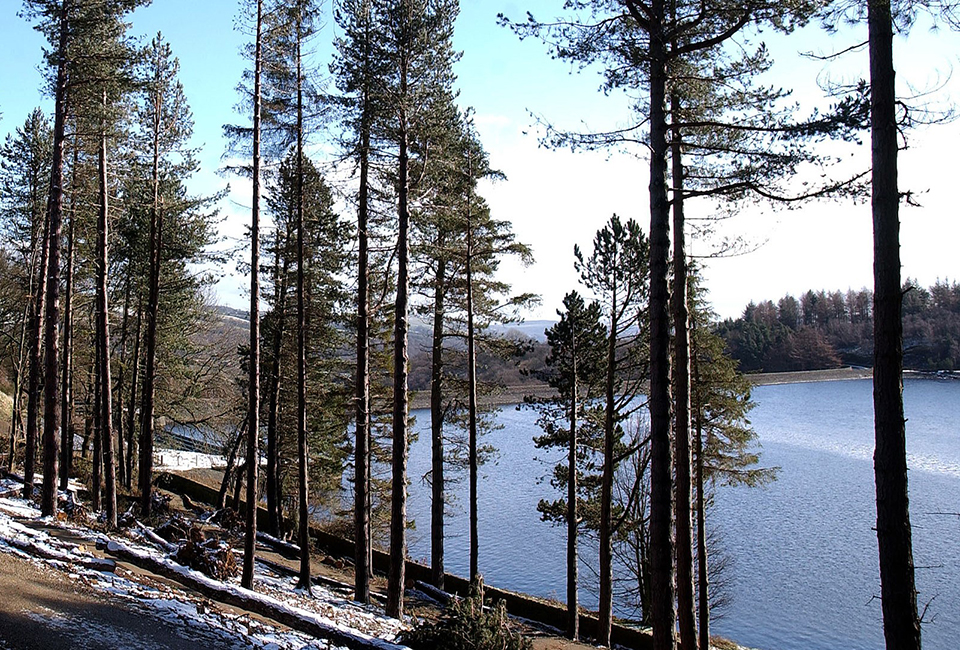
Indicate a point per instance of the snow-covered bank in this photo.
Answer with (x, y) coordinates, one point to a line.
(25, 534)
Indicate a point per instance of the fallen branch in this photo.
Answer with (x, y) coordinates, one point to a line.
(95, 563)
(286, 549)
(292, 617)
(156, 539)
(436, 594)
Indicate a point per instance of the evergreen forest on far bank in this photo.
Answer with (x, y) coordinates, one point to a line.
(821, 330)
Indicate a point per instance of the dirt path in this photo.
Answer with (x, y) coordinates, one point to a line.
(43, 608)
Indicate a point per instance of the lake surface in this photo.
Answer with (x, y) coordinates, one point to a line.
(803, 555)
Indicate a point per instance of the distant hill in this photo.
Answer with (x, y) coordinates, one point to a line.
(509, 372)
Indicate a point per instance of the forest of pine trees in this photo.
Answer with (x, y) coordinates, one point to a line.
(364, 179)
(832, 329)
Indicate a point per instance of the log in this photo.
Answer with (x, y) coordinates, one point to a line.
(438, 595)
(263, 605)
(95, 563)
(286, 549)
(156, 539)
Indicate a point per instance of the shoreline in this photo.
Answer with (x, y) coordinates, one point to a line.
(514, 395)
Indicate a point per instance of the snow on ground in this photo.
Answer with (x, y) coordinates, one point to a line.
(175, 459)
(175, 605)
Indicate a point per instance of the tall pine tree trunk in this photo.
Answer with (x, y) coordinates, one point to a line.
(472, 405)
(147, 421)
(66, 388)
(573, 614)
(51, 321)
(436, 419)
(661, 461)
(96, 479)
(703, 578)
(253, 428)
(120, 413)
(304, 581)
(103, 328)
(35, 360)
(132, 405)
(605, 615)
(686, 611)
(282, 269)
(398, 504)
(362, 531)
(901, 625)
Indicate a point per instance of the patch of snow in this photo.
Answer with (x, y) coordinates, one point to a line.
(323, 607)
(176, 459)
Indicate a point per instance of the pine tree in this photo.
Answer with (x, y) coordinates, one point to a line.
(165, 127)
(415, 45)
(24, 180)
(575, 369)
(616, 272)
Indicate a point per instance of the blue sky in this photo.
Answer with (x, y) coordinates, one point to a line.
(555, 198)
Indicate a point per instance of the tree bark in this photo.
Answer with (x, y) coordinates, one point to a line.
(253, 428)
(605, 615)
(398, 509)
(51, 389)
(66, 406)
(231, 465)
(901, 624)
(119, 414)
(132, 406)
(362, 531)
(573, 617)
(472, 402)
(273, 407)
(304, 581)
(686, 611)
(436, 420)
(32, 434)
(661, 462)
(96, 479)
(703, 578)
(103, 328)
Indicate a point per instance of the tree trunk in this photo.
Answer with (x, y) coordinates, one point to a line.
(304, 581)
(66, 406)
(686, 611)
(96, 479)
(119, 413)
(273, 407)
(51, 388)
(436, 420)
(901, 625)
(35, 360)
(573, 618)
(605, 615)
(231, 465)
(150, 370)
(472, 403)
(362, 531)
(398, 504)
(253, 428)
(703, 578)
(103, 327)
(661, 462)
(132, 407)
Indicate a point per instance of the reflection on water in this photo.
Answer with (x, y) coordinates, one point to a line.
(803, 550)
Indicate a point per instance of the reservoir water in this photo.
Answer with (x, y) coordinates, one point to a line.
(802, 551)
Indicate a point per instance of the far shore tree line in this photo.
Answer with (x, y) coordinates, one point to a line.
(104, 330)
(820, 330)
